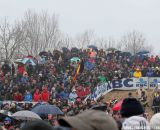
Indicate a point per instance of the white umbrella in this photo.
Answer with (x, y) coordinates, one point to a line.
(26, 116)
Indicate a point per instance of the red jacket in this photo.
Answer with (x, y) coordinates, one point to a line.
(87, 91)
(17, 97)
(36, 97)
(81, 93)
(45, 96)
(21, 69)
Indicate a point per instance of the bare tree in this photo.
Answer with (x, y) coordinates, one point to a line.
(11, 38)
(66, 41)
(84, 39)
(106, 43)
(41, 32)
(133, 42)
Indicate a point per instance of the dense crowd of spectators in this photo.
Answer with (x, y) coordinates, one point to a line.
(56, 80)
(131, 116)
(53, 76)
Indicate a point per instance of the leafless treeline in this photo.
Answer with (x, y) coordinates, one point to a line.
(37, 32)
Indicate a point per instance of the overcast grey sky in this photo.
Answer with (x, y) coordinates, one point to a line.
(109, 18)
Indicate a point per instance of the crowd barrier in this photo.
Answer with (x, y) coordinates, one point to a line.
(124, 84)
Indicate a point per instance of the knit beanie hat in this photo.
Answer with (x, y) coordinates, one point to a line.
(131, 107)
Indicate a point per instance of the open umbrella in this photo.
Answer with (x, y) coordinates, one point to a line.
(117, 106)
(43, 53)
(102, 78)
(18, 61)
(4, 113)
(74, 50)
(75, 59)
(142, 52)
(93, 47)
(47, 109)
(65, 49)
(26, 116)
(28, 60)
(101, 107)
(126, 54)
(111, 49)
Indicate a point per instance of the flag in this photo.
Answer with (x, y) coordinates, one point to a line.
(79, 69)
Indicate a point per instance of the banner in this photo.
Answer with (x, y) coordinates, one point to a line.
(130, 83)
(153, 82)
(100, 91)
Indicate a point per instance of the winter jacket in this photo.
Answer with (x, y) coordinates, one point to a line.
(81, 93)
(28, 97)
(45, 96)
(36, 97)
(137, 74)
(17, 97)
(24, 80)
(21, 69)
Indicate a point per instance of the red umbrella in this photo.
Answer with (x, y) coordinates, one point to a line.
(117, 106)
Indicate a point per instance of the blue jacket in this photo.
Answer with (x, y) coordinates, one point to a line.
(28, 97)
(64, 95)
(24, 80)
(150, 73)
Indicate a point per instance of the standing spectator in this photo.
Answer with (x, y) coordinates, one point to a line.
(136, 123)
(17, 96)
(24, 78)
(37, 96)
(21, 69)
(73, 95)
(7, 124)
(137, 73)
(157, 72)
(45, 94)
(6, 68)
(90, 120)
(28, 96)
(150, 73)
(131, 107)
(30, 69)
(155, 122)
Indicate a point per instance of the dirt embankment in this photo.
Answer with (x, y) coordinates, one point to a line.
(123, 94)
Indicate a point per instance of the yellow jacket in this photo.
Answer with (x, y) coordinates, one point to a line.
(137, 74)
